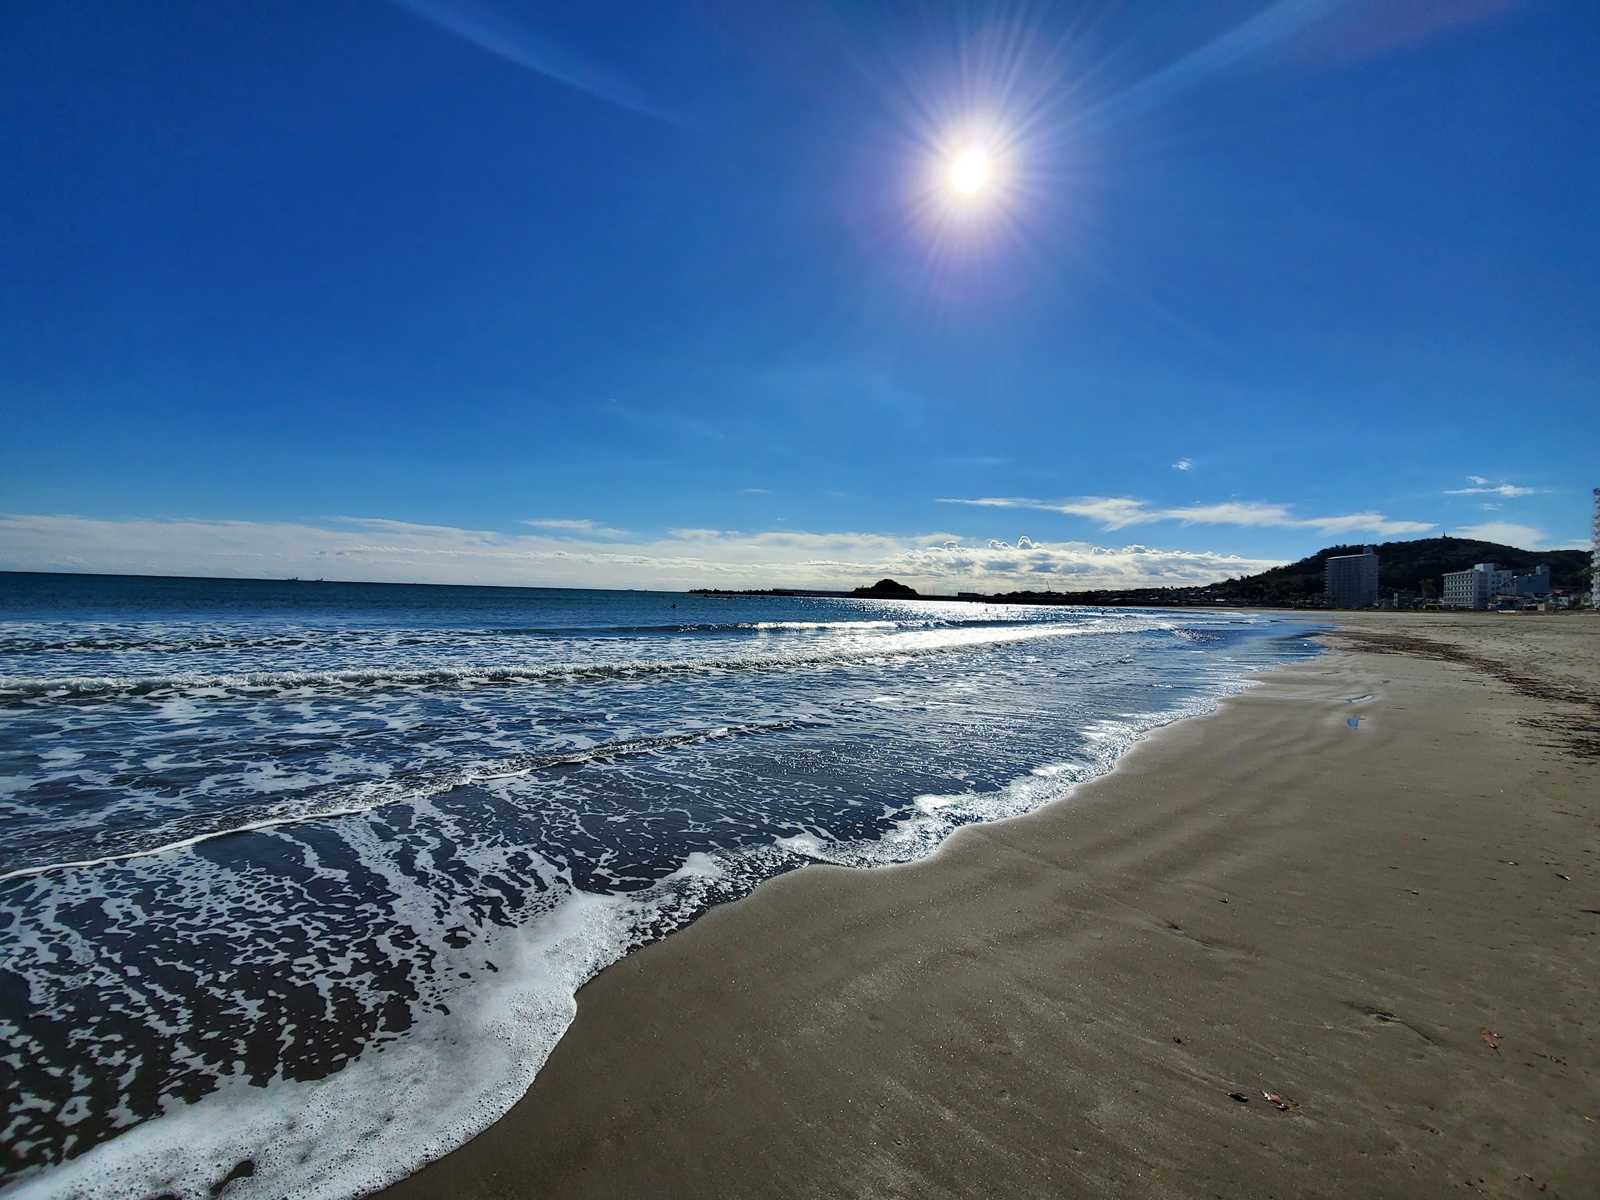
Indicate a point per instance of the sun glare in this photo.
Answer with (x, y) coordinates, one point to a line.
(970, 171)
(970, 185)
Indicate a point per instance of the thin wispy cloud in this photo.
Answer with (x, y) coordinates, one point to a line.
(1378, 26)
(582, 526)
(671, 424)
(374, 549)
(1183, 464)
(1482, 487)
(755, 492)
(490, 27)
(1120, 512)
(1254, 36)
(1339, 29)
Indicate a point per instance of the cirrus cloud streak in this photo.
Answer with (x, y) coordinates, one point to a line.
(1120, 512)
(1488, 489)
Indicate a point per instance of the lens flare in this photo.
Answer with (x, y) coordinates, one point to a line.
(970, 171)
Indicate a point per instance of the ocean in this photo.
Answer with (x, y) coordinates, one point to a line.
(298, 880)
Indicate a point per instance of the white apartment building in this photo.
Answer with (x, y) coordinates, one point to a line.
(1470, 588)
(1478, 585)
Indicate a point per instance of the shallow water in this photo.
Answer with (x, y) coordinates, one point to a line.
(300, 878)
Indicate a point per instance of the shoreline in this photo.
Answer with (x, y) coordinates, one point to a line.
(1259, 900)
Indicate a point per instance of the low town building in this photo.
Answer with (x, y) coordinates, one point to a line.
(1481, 585)
(1536, 584)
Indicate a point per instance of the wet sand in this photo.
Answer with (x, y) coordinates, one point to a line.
(1393, 927)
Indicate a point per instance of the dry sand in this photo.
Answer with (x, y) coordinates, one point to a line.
(1394, 927)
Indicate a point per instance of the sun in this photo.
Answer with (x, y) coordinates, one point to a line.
(970, 171)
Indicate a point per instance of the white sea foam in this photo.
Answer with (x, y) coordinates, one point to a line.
(368, 797)
(384, 1115)
(854, 644)
(852, 625)
(397, 1108)
(937, 816)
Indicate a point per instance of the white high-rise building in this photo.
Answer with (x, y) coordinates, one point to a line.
(1472, 588)
(1351, 580)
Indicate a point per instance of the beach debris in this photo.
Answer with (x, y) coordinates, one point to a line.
(1559, 875)
(1384, 1017)
(1596, 911)
(1490, 1037)
(1279, 1102)
(1240, 1097)
(1178, 1041)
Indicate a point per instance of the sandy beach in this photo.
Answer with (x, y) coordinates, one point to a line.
(1338, 938)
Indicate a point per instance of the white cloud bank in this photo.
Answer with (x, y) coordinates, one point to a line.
(393, 551)
(1524, 537)
(1119, 512)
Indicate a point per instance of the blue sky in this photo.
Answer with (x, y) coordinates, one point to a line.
(494, 291)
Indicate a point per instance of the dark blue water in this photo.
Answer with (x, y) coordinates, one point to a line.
(307, 874)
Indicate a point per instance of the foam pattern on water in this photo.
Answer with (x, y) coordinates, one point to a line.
(296, 893)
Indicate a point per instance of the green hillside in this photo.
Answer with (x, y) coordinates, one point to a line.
(1416, 567)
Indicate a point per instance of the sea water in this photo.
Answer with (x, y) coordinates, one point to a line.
(298, 880)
